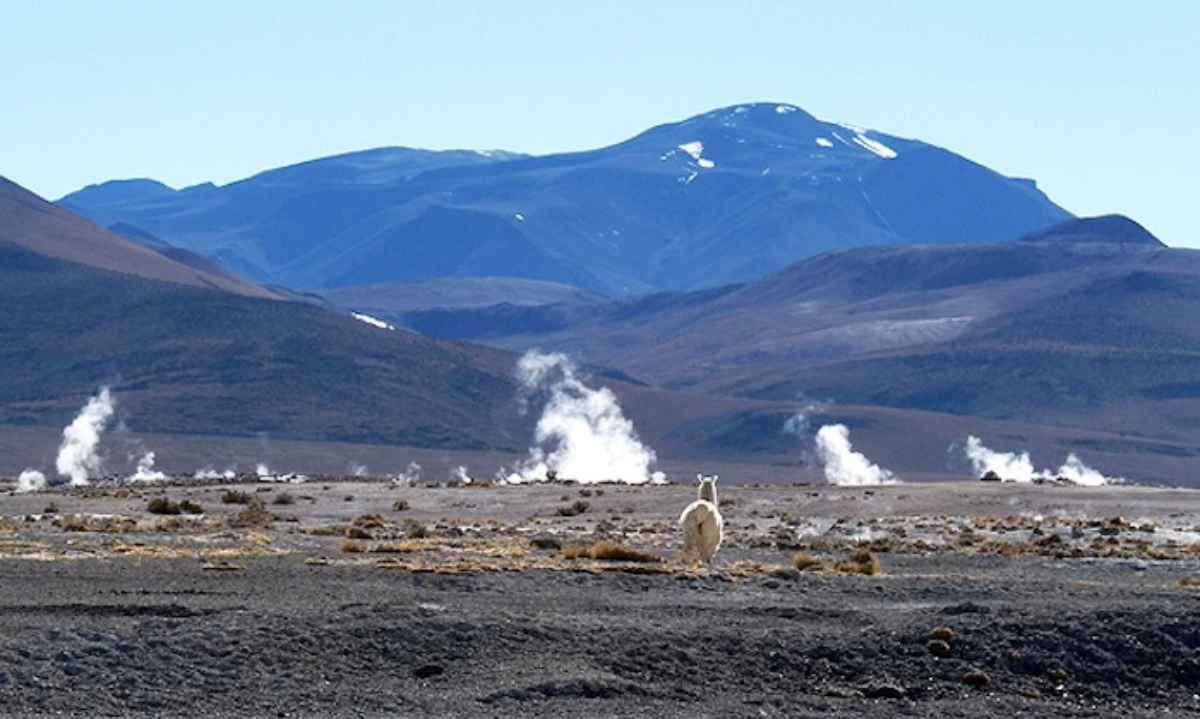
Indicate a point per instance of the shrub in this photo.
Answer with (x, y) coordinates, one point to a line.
(358, 533)
(1190, 582)
(51, 508)
(976, 678)
(806, 563)
(400, 505)
(351, 547)
(943, 633)
(415, 530)
(254, 515)
(162, 505)
(574, 509)
(283, 498)
(861, 562)
(233, 496)
(187, 506)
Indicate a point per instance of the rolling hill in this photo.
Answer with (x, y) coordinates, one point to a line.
(726, 196)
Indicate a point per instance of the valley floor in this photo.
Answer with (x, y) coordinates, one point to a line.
(360, 599)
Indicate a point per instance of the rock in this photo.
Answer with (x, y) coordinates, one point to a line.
(991, 476)
(938, 648)
(883, 690)
(428, 671)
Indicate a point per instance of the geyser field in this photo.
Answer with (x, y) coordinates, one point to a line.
(367, 596)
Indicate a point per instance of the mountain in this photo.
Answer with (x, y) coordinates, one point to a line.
(40, 227)
(1090, 324)
(214, 358)
(191, 352)
(726, 196)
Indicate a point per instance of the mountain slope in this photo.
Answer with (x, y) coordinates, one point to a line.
(726, 196)
(1088, 332)
(28, 221)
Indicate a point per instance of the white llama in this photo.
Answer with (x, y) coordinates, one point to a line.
(702, 524)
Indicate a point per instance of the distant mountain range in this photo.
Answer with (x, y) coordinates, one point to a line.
(727, 196)
(1091, 323)
(193, 352)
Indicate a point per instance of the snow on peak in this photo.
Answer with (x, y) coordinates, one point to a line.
(785, 109)
(873, 146)
(373, 321)
(696, 150)
(876, 147)
(824, 142)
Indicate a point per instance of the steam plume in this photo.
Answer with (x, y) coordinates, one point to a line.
(582, 434)
(210, 473)
(77, 457)
(410, 476)
(31, 480)
(845, 467)
(1018, 467)
(146, 472)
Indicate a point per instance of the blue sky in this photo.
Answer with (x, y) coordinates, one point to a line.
(1096, 100)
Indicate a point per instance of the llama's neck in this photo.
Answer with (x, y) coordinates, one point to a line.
(708, 490)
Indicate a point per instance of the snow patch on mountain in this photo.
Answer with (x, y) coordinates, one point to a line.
(824, 142)
(373, 321)
(696, 150)
(876, 147)
(785, 109)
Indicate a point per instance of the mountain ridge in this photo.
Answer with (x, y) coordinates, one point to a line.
(724, 196)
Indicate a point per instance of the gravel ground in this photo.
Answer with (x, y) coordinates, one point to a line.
(198, 617)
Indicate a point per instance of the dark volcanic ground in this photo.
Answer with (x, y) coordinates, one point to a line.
(103, 624)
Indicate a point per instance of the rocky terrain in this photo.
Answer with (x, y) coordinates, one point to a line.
(338, 597)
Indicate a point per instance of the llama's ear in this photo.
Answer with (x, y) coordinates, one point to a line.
(699, 477)
(715, 478)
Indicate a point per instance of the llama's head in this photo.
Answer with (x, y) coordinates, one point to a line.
(708, 487)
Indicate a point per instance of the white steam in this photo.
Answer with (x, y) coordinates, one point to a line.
(146, 473)
(582, 434)
(459, 475)
(1018, 467)
(410, 476)
(845, 467)
(77, 458)
(357, 470)
(262, 470)
(31, 480)
(210, 473)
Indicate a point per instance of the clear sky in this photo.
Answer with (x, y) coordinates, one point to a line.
(1099, 101)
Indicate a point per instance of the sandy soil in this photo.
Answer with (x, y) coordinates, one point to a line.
(340, 598)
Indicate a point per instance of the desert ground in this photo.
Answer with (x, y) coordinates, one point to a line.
(357, 597)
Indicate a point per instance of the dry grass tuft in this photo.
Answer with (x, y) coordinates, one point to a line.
(233, 496)
(221, 565)
(1190, 582)
(863, 561)
(254, 515)
(806, 563)
(163, 505)
(369, 521)
(352, 547)
(608, 551)
(358, 533)
(943, 633)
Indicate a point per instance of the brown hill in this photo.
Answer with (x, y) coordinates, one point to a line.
(31, 222)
